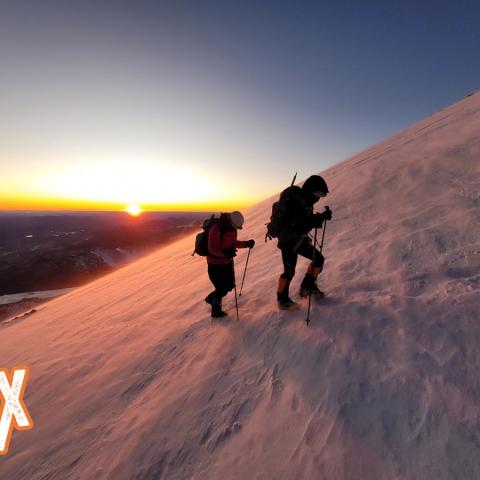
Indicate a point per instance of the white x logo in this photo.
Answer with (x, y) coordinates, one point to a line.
(13, 411)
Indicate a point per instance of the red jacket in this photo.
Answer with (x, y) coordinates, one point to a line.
(217, 244)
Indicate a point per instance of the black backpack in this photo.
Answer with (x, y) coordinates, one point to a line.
(277, 220)
(201, 240)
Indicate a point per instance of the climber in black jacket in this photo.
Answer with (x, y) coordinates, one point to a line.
(297, 219)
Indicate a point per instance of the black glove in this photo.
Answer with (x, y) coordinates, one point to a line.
(250, 243)
(230, 252)
(327, 214)
(317, 220)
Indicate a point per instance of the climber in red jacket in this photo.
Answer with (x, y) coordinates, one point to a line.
(222, 248)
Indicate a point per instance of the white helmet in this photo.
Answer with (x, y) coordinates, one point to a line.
(236, 218)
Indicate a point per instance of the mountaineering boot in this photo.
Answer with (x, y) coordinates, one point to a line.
(283, 300)
(209, 297)
(309, 286)
(217, 311)
(309, 283)
(286, 303)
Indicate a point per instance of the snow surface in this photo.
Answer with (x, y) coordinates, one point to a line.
(131, 380)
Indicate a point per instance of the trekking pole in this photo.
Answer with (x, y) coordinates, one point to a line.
(310, 293)
(313, 261)
(245, 272)
(235, 288)
(323, 235)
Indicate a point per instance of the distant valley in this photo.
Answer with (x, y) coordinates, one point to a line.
(49, 251)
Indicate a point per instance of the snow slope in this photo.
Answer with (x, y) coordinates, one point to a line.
(131, 380)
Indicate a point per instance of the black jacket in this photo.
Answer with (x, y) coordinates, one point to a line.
(297, 215)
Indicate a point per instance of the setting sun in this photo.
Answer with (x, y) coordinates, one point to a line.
(133, 210)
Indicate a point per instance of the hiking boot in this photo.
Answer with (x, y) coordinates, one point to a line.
(309, 286)
(286, 303)
(283, 299)
(217, 312)
(216, 303)
(209, 298)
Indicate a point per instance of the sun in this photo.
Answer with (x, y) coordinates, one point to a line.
(134, 210)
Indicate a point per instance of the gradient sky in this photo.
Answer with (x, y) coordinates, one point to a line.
(178, 103)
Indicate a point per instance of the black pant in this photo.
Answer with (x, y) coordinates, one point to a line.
(290, 256)
(222, 278)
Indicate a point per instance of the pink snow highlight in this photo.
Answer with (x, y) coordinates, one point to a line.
(129, 379)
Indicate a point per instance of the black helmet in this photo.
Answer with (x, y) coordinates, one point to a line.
(315, 183)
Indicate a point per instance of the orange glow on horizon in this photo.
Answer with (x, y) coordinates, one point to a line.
(154, 187)
(53, 204)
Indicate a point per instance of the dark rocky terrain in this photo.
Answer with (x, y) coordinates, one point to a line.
(55, 251)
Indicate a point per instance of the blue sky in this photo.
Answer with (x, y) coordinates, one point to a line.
(236, 96)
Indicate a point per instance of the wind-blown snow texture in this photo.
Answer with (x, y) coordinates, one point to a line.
(130, 379)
